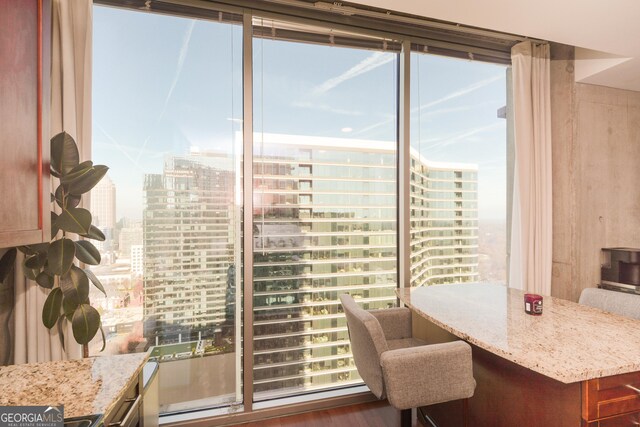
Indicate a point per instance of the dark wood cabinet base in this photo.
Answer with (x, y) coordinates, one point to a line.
(506, 394)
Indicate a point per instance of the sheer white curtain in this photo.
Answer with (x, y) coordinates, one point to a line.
(531, 234)
(70, 111)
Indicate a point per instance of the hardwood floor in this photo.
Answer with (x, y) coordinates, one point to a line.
(374, 414)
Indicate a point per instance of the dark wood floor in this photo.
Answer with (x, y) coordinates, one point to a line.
(374, 414)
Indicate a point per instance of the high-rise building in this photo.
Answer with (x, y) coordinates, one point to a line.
(188, 237)
(137, 260)
(324, 223)
(103, 210)
(444, 222)
(129, 235)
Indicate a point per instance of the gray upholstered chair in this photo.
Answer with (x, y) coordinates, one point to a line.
(403, 369)
(620, 303)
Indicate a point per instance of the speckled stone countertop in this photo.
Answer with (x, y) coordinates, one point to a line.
(85, 387)
(569, 342)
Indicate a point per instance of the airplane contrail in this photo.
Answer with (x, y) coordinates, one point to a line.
(372, 62)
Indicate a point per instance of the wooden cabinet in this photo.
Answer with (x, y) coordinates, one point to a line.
(611, 401)
(625, 420)
(25, 39)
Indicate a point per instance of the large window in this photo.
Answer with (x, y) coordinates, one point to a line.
(324, 204)
(167, 103)
(458, 171)
(170, 91)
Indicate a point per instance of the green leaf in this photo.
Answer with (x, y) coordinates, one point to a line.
(64, 154)
(75, 220)
(61, 320)
(85, 323)
(95, 280)
(68, 308)
(75, 287)
(30, 273)
(7, 263)
(95, 234)
(53, 197)
(77, 172)
(44, 280)
(54, 225)
(51, 309)
(87, 181)
(104, 338)
(34, 249)
(87, 253)
(36, 262)
(26, 250)
(66, 200)
(61, 254)
(48, 269)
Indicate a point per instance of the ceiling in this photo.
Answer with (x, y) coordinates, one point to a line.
(606, 33)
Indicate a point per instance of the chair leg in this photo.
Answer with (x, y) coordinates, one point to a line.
(465, 412)
(405, 418)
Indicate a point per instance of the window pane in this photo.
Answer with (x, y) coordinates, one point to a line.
(167, 103)
(458, 171)
(324, 206)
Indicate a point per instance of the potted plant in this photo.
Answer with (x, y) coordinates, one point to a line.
(52, 264)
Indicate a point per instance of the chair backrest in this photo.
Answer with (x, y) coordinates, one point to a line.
(367, 344)
(620, 303)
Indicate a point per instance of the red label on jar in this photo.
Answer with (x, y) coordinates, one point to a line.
(533, 304)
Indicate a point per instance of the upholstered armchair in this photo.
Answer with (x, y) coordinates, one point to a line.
(405, 370)
(620, 303)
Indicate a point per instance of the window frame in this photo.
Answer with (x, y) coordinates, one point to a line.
(443, 39)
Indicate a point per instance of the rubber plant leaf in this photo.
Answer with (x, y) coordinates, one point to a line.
(95, 234)
(75, 220)
(77, 172)
(87, 181)
(85, 323)
(64, 154)
(61, 253)
(95, 280)
(7, 263)
(75, 287)
(64, 199)
(87, 253)
(45, 280)
(54, 225)
(51, 309)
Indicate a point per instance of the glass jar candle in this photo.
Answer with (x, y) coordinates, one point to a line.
(533, 304)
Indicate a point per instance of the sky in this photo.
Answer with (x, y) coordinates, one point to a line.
(166, 85)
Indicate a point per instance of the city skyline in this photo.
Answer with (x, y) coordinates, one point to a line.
(324, 223)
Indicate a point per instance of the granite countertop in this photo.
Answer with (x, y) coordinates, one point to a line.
(85, 387)
(569, 342)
